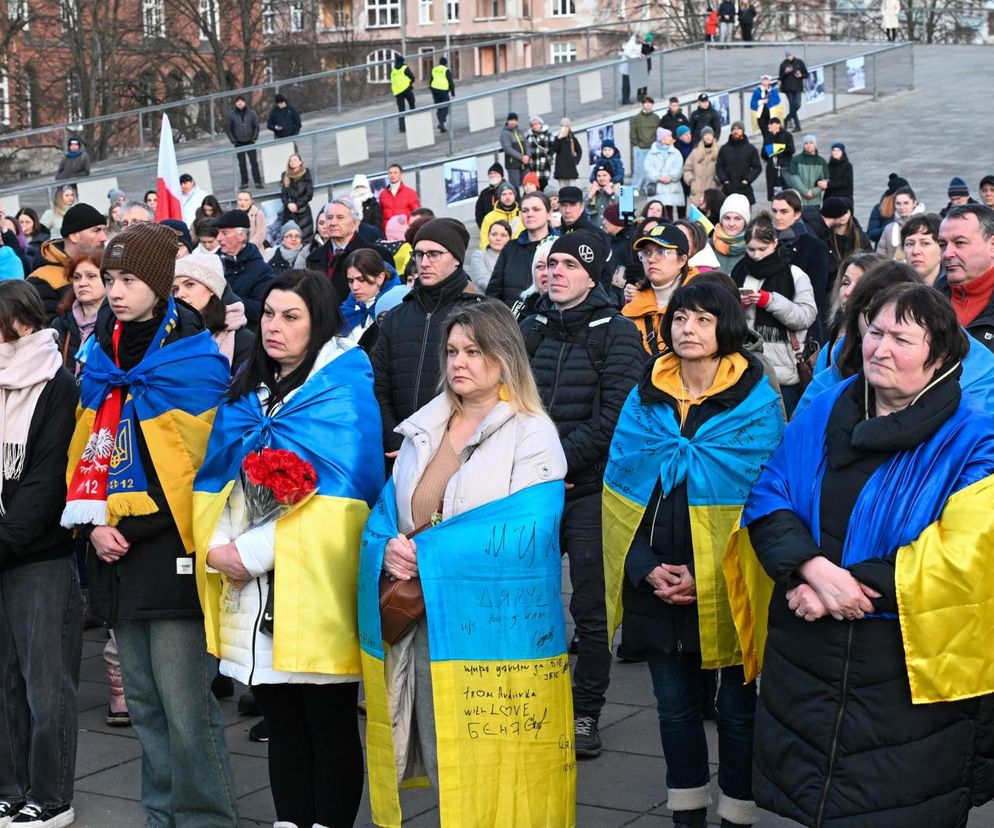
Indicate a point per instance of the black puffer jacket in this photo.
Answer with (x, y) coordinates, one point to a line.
(144, 584)
(664, 534)
(809, 253)
(701, 118)
(29, 528)
(838, 742)
(405, 358)
(513, 272)
(583, 402)
(248, 276)
(737, 167)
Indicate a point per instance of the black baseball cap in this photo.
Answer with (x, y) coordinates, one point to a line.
(571, 195)
(665, 235)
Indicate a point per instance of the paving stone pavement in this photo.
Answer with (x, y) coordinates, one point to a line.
(927, 135)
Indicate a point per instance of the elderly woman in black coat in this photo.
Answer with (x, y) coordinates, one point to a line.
(873, 519)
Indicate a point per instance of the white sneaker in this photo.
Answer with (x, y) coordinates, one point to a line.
(34, 816)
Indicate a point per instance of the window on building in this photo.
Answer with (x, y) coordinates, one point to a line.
(153, 18)
(268, 17)
(68, 13)
(380, 63)
(210, 19)
(74, 101)
(30, 85)
(563, 8)
(451, 11)
(336, 14)
(297, 16)
(382, 13)
(268, 75)
(4, 98)
(563, 52)
(487, 9)
(18, 10)
(424, 11)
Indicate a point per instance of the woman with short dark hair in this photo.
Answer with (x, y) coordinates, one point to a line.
(869, 526)
(368, 278)
(702, 420)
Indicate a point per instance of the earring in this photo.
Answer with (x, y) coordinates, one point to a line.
(503, 392)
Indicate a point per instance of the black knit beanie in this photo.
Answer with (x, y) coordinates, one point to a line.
(449, 233)
(586, 248)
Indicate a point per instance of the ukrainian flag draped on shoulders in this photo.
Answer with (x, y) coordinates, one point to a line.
(499, 667)
(718, 464)
(933, 504)
(171, 398)
(333, 422)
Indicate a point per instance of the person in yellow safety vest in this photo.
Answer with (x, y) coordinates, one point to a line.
(442, 89)
(402, 86)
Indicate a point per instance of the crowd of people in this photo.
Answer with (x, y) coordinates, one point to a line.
(761, 438)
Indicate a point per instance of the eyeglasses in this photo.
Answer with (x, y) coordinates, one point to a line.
(656, 252)
(133, 222)
(432, 255)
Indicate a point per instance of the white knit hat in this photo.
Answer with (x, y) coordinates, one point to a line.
(204, 268)
(735, 203)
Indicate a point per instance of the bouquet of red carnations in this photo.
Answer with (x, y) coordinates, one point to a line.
(276, 481)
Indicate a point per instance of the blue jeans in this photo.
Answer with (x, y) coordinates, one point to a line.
(580, 539)
(638, 169)
(186, 775)
(41, 641)
(676, 681)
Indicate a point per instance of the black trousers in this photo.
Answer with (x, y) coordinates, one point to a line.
(253, 159)
(315, 757)
(407, 96)
(440, 96)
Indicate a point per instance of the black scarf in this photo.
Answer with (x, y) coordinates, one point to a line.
(776, 277)
(432, 297)
(135, 339)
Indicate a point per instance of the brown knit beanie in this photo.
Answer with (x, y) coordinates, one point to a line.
(147, 251)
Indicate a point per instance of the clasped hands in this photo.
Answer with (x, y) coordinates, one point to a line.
(400, 558)
(830, 590)
(673, 584)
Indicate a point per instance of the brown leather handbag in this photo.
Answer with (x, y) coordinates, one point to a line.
(402, 603)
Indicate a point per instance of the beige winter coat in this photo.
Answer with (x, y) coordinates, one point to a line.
(508, 452)
(699, 171)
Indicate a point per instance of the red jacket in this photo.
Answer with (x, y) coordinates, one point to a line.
(711, 23)
(400, 204)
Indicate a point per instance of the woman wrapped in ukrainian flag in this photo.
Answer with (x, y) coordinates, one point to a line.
(862, 578)
(278, 586)
(689, 444)
(475, 698)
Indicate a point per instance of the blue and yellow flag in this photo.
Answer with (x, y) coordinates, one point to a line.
(172, 395)
(500, 672)
(933, 505)
(332, 422)
(719, 464)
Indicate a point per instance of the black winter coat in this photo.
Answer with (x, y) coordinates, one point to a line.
(299, 192)
(738, 162)
(405, 358)
(69, 338)
(512, 273)
(372, 214)
(840, 178)
(982, 327)
(810, 254)
(323, 260)
(671, 122)
(837, 741)
(583, 402)
(144, 583)
(242, 126)
(484, 204)
(664, 535)
(701, 118)
(33, 504)
(288, 118)
(568, 154)
(789, 82)
(249, 277)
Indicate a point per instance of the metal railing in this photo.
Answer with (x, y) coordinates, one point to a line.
(887, 68)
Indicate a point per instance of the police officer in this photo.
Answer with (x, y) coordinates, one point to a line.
(402, 86)
(442, 89)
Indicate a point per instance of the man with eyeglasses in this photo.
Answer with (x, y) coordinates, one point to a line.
(586, 358)
(84, 231)
(135, 212)
(405, 359)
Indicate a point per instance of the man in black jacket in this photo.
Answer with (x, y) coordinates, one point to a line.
(512, 274)
(792, 75)
(342, 218)
(738, 164)
(586, 358)
(405, 359)
(242, 130)
(778, 149)
(142, 578)
(244, 269)
(487, 198)
(574, 211)
(704, 115)
(673, 118)
(284, 120)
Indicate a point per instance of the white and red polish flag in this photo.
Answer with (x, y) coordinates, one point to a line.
(167, 205)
